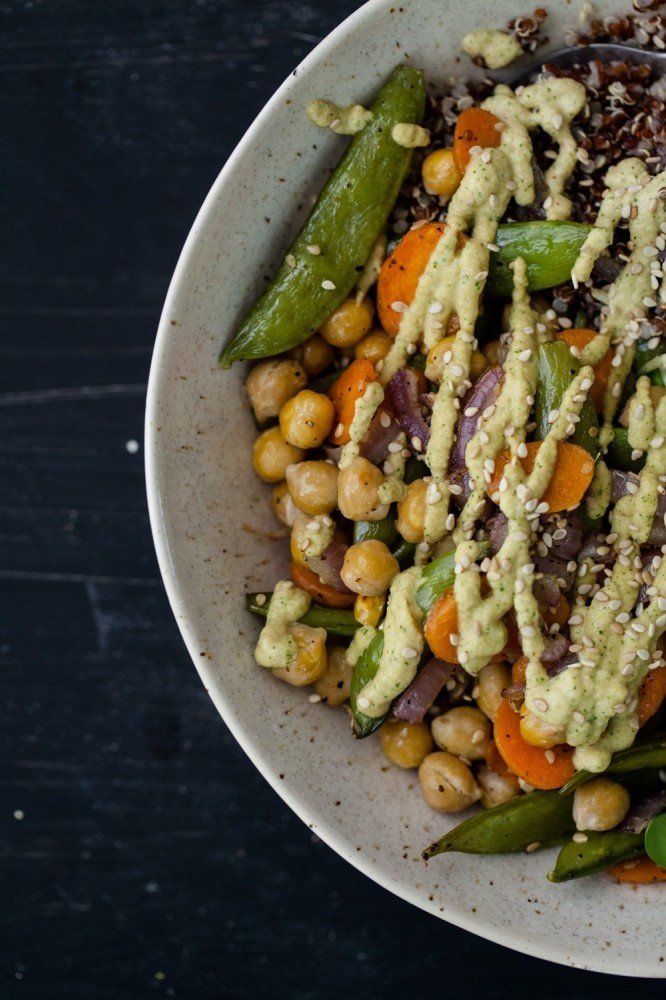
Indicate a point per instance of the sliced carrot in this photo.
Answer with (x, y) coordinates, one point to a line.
(401, 271)
(474, 127)
(571, 476)
(579, 338)
(518, 670)
(651, 694)
(345, 391)
(528, 762)
(496, 762)
(320, 592)
(441, 624)
(639, 871)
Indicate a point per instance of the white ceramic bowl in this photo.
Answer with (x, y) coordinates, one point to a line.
(208, 510)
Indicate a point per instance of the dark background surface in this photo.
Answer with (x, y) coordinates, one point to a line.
(142, 854)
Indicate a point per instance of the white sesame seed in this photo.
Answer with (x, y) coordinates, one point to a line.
(384, 419)
(399, 307)
(290, 260)
(578, 838)
(541, 704)
(363, 702)
(260, 600)
(314, 249)
(531, 848)
(328, 285)
(409, 653)
(578, 717)
(493, 246)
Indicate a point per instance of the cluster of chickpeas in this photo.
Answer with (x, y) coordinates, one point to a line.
(450, 750)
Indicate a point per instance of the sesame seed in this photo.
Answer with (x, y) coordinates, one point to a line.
(481, 276)
(579, 838)
(314, 698)
(260, 600)
(339, 430)
(363, 702)
(478, 736)
(550, 756)
(450, 522)
(290, 260)
(657, 441)
(525, 355)
(314, 249)
(493, 246)
(531, 848)
(578, 717)
(552, 416)
(384, 419)
(399, 307)
(456, 370)
(541, 704)
(417, 444)
(328, 285)
(409, 653)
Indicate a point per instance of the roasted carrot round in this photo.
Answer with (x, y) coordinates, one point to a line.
(475, 127)
(441, 624)
(571, 476)
(651, 694)
(320, 592)
(528, 762)
(496, 762)
(579, 338)
(401, 271)
(345, 391)
(639, 871)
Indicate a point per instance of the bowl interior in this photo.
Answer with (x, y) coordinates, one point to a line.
(215, 535)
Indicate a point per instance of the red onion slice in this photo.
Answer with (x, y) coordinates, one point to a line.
(620, 482)
(404, 392)
(414, 702)
(483, 393)
(383, 430)
(642, 812)
(328, 566)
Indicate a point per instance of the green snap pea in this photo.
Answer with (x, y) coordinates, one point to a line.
(336, 621)
(599, 851)
(404, 552)
(619, 452)
(366, 667)
(639, 757)
(557, 367)
(549, 250)
(384, 531)
(347, 219)
(439, 576)
(541, 818)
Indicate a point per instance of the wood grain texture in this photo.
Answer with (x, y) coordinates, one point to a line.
(142, 855)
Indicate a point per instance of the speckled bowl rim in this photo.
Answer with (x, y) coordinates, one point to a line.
(300, 804)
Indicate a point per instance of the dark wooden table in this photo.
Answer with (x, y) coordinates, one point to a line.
(142, 855)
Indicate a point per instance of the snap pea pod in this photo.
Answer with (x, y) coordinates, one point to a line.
(438, 576)
(619, 452)
(336, 621)
(557, 367)
(549, 250)
(383, 531)
(346, 221)
(538, 818)
(599, 851)
(639, 757)
(366, 667)
(404, 553)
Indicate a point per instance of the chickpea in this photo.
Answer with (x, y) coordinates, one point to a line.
(374, 347)
(490, 683)
(349, 323)
(440, 174)
(299, 535)
(271, 455)
(538, 733)
(271, 383)
(358, 487)
(411, 512)
(310, 662)
(447, 783)
(600, 804)
(405, 743)
(369, 610)
(313, 486)
(491, 351)
(464, 731)
(496, 788)
(435, 363)
(315, 355)
(334, 685)
(306, 419)
(283, 506)
(369, 567)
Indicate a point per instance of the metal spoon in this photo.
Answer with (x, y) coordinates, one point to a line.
(603, 51)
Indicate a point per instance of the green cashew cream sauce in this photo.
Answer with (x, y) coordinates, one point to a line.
(496, 48)
(344, 120)
(276, 646)
(592, 703)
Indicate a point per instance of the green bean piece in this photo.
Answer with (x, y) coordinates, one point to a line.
(439, 576)
(657, 377)
(384, 531)
(347, 219)
(366, 667)
(336, 621)
(541, 818)
(639, 757)
(619, 452)
(404, 553)
(549, 250)
(599, 851)
(557, 367)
